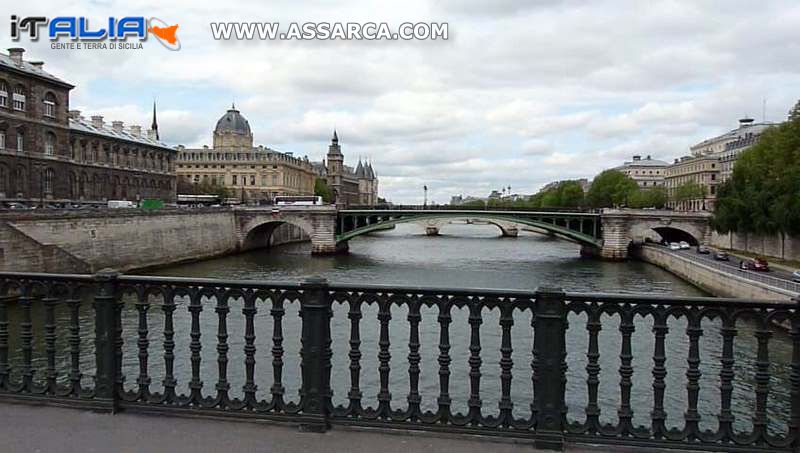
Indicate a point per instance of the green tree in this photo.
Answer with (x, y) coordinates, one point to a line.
(794, 113)
(655, 197)
(321, 189)
(689, 191)
(763, 194)
(611, 188)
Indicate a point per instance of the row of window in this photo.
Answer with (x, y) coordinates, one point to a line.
(79, 186)
(19, 99)
(187, 156)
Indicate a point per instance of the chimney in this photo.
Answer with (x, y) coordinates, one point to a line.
(648, 157)
(136, 130)
(75, 114)
(37, 64)
(118, 126)
(151, 134)
(637, 158)
(16, 54)
(97, 121)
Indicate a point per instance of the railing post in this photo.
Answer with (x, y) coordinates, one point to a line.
(105, 330)
(549, 348)
(315, 355)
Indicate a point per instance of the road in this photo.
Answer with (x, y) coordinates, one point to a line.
(775, 277)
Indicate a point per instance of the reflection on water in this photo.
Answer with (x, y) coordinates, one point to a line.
(465, 255)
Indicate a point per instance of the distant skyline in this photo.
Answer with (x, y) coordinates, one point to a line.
(522, 94)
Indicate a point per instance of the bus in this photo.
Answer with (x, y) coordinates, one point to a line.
(298, 200)
(198, 200)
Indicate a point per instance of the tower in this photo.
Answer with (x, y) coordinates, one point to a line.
(335, 169)
(154, 125)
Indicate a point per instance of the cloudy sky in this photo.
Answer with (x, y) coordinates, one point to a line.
(522, 93)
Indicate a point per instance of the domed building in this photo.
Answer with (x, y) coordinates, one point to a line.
(250, 173)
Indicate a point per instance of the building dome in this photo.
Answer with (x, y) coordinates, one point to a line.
(232, 121)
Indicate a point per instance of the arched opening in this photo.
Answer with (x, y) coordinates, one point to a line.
(670, 234)
(273, 233)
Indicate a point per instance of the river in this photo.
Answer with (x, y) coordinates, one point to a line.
(465, 256)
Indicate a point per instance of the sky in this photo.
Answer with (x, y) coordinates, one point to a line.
(521, 94)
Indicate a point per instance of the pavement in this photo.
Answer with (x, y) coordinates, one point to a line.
(46, 429)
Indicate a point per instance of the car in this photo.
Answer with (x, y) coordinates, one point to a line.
(796, 276)
(703, 250)
(684, 245)
(721, 256)
(761, 265)
(746, 265)
(674, 246)
(15, 205)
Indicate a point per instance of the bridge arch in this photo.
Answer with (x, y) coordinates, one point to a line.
(640, 231)
(572, 229)
(508, 228)
(260, 234)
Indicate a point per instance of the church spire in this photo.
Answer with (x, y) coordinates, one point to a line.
(335, 137)
(154, 126)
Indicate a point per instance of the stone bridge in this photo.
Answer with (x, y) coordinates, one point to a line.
(86, 241)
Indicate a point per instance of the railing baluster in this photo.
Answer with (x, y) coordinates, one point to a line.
(143, 380)
(277, 390)
(384, 397)
(475, 362)
(762, 375)
(223, 386)
(659, 416)
(196, 384)
(354, 394)
(4, 367)
(593, 326)
(315, 355)
(50, 302)
(75, 375)
(26, 340)
(249, 311)
(444, 400)
(693, 374)
(106, 325)
(726, 376)
(625, 413)
(506, 363)
(794, 379)
(169, 381)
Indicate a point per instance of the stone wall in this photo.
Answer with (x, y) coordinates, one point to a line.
(709, 279)
(118, 240)
(785, 248)
(20, 253)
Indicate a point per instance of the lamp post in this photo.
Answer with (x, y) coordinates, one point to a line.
(425, 200)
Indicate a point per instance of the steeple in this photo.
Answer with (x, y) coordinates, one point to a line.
(154, 126)
(335, 137)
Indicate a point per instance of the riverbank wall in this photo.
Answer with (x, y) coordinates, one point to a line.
(709, 279)
(121, 240)
(772, 246)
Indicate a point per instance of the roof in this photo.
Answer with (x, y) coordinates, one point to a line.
(233, 121)
(645, 163)
(27, 67)
(82, 125)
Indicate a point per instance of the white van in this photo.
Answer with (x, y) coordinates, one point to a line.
(116, 204)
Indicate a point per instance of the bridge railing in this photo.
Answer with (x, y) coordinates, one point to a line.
(489, 362)
(398, 207)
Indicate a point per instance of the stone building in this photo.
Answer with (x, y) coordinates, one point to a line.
(730, 145)
(49, 153)
(251, 173)
(647, 172)
(351, 187)
(703, 170)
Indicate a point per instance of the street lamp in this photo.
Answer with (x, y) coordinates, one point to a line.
(425, 200)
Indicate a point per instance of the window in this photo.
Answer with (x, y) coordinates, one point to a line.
(19, 98)
(252, 180)
(3, 94)
(49, 143)
(50, 105)
(2, 139)
(49, 176)
(234, 180)
(20, 140)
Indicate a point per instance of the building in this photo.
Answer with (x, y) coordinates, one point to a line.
(729, 145)
(49, 153)
(703, 170)
(251, 173)
(351, 187)
(647, 172)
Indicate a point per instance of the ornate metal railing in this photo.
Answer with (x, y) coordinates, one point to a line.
(47, 353)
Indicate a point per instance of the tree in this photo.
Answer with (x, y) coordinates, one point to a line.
(321, 189)
(611, 188)
(655, 197)
(762, 195)
(689, 191)
(794, 113)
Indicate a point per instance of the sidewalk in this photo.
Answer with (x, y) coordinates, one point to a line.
(45, 429)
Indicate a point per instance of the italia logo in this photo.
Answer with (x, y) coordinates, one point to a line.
(79, 29)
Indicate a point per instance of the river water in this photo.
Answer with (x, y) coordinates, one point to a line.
(462, 256)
